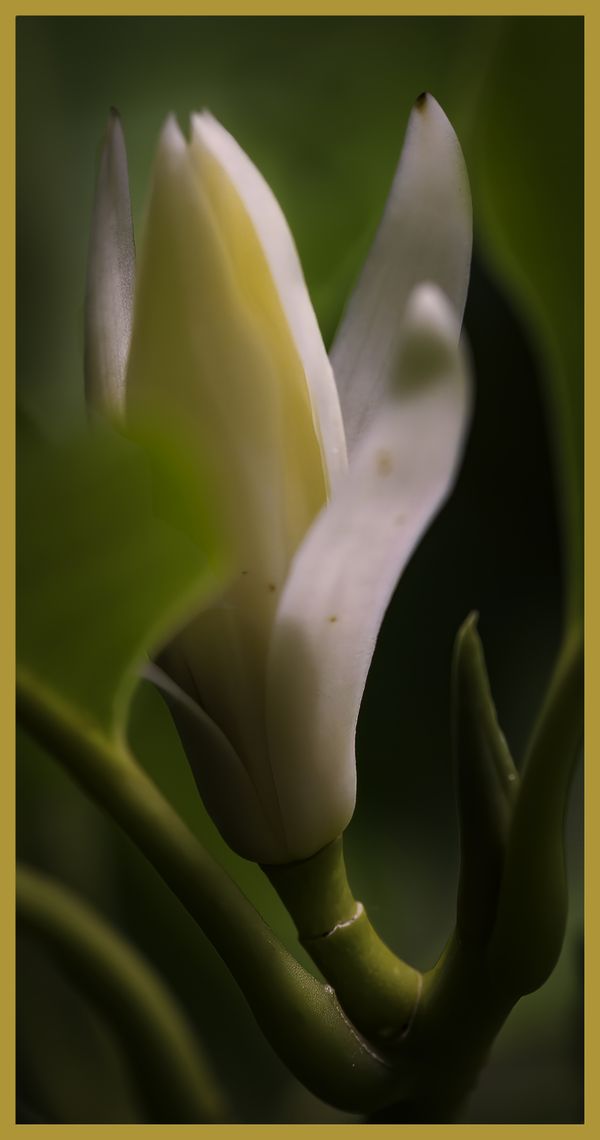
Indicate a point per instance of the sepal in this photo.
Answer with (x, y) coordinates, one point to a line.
(487, 785)
(532, 909)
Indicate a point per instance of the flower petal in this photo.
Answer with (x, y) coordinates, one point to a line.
(110, 278)
(212, 354)
(212, 349)
(224, 784)
(346, 570)
(280, 251)
(425, 235)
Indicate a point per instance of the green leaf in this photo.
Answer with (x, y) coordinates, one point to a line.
(117, 545)
(527, 177)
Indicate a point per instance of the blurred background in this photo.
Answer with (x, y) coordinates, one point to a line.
(321, 105)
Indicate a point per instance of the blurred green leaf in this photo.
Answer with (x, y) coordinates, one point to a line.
(528, 175)
(171, 1071)
(117, 544)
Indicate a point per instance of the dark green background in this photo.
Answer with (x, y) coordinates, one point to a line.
(321, 105)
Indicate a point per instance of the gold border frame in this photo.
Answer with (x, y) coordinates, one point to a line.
(10, 11)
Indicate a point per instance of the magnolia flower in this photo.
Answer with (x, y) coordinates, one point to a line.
(326, 485)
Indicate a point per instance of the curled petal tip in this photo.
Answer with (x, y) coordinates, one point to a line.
(201, 120)
(428, 308)
(206, 131)
(431, 335)
(172, 140)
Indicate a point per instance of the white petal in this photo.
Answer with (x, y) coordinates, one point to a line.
(223, 782)
(211, 347)
(212, 353)
(110, 278)
(347, 568)
(425, 235)
(280, 251)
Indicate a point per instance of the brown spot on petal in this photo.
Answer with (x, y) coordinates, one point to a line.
(332, 618)
(421, 100)
(271, 587)
(383, 461)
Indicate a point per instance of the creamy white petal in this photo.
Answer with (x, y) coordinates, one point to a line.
(425, 235)
(280, 251)
(211, 347)
(347, 568)
(212, 354)
(110, 278)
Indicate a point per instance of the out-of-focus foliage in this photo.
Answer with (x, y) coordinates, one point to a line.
(321, 106)
(105, 566)
(528, 151)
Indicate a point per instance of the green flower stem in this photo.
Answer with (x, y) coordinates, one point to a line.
(377, 990)
(300, 1017)
(173, 1075)
(461, 1011)
(439, 1027)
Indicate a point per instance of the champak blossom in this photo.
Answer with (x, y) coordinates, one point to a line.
(327, 471)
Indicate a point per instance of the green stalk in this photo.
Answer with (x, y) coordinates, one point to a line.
(461, 1011)
(299, 1016)
(438, 1028)
(378, 991)
(172, 1072)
